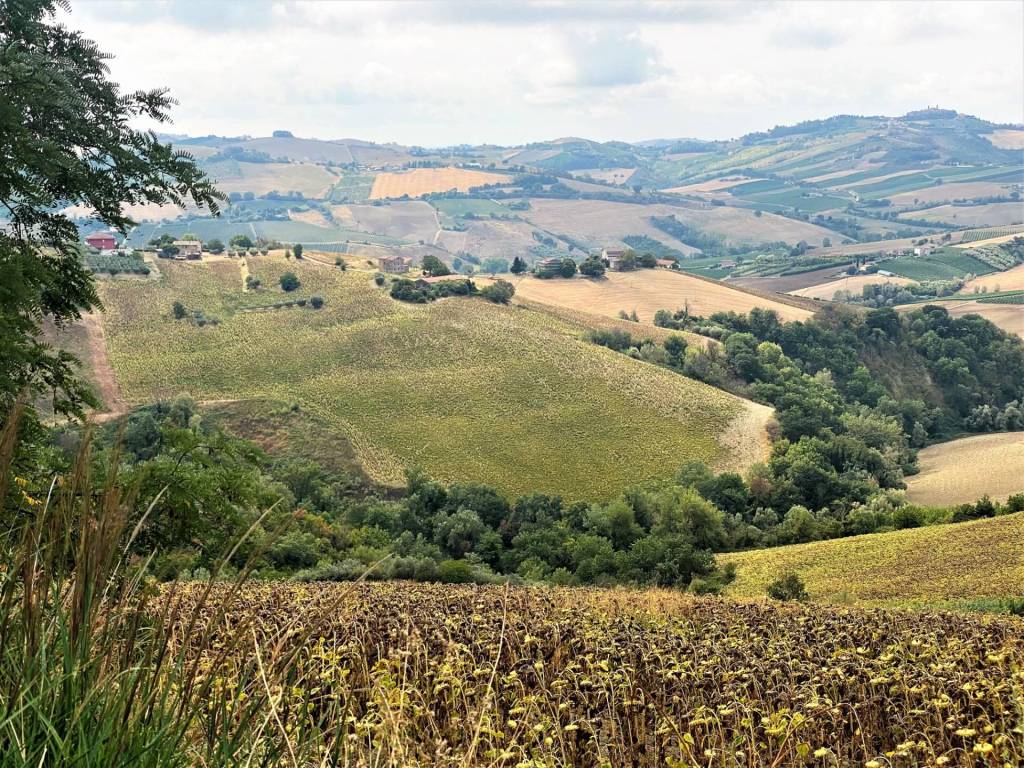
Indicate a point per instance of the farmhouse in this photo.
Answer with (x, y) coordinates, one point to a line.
(103, 241)
(189, 249)
(393, 265)
(666, 263)
(613, 257)
(548, 267)
(727, 264)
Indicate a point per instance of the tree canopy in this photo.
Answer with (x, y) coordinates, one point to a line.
(66, 139)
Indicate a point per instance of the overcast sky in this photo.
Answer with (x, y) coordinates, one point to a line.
(506, 73)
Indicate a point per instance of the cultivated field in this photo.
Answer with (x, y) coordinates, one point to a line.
(1007, 138)
(711, 185)
(463, 388)
(403, 674)
(411, 220)
(647, 291)
(1009, 317)
(1010, 280)
(260, 178)
(423, 181)
(934, 564)
(987, 215)
(964, 470)
(484, 239)
(854, 284)
(966, 190)
(610, 175)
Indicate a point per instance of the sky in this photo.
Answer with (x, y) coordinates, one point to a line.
(443, 73)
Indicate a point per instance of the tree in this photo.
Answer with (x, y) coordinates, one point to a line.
(518, 266)
(592, 266)
(433, 266)
(215, 246)
(297, 251)
(494, 265)
(241, 241)
(316, 302)
(289, 282)
(567, 268)
(179, 310)
(67, 138)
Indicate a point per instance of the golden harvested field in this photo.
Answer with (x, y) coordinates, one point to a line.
(854, 284)
(490, 238)
(465, 389)
(423, 181)
(1007, 138)
(260, 178)
(964, 470)
(965, 190)
(1010, 280)
(647, 291)
(711, 185)
(403, 674)
(916, 566)
(987, 215)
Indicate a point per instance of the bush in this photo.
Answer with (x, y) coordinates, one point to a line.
(378, 279)
(179, 310)
(788, 587)
(454, 572)
(501, 292)
(316, 302)
(289, 282)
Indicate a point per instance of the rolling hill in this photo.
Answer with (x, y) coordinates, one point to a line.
(462, 388)
(937, 564)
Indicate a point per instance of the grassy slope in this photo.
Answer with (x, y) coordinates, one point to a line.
(934, 564)
(462, 388)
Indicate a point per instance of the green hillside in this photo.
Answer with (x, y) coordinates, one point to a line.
(939, 564)
(463, 388)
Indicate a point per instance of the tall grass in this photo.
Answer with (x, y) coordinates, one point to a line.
(100, 667)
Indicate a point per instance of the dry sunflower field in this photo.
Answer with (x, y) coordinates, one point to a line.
(406, 674)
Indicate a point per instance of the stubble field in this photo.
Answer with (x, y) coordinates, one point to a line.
(964, 470)
(647, 291)
(423, 181)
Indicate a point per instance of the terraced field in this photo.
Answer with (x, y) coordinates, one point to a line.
(462, 388)
(931, 565)
(648, 290)
(964, 470)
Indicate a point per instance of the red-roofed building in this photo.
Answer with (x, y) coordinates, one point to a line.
(103, 241)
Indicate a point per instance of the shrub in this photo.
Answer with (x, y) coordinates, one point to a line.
(454, 572)
(316, 302)
(788, 587)
(378, 279)
(289, 282)
(179, 310)
(501, 292)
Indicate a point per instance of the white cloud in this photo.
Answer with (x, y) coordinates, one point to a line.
(439, 73)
